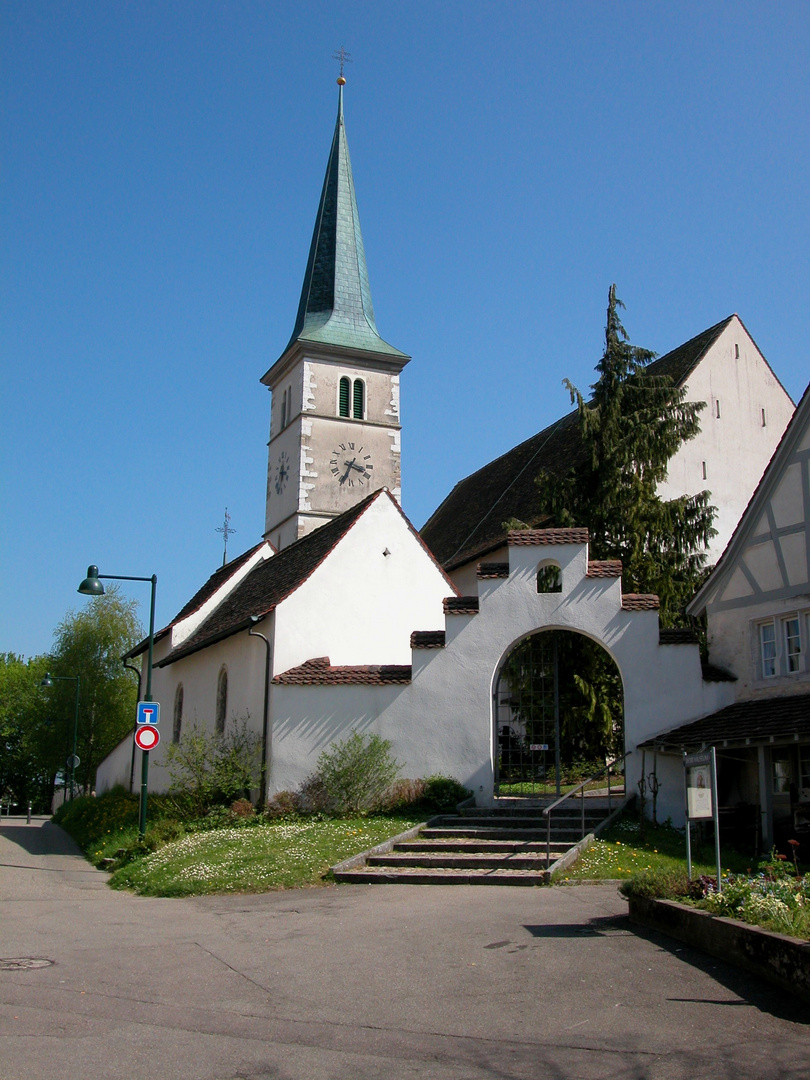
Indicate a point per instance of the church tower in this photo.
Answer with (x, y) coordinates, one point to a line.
(334, 417)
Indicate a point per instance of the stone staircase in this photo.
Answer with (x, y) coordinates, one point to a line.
(478, 846)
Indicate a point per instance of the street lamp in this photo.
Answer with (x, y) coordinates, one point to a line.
(73, 761)
(91, 586)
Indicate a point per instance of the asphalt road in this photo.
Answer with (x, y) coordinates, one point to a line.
(360, 982)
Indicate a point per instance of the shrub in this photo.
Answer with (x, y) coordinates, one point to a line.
(242, 808)
(353, 775)
(403, 793)
(661, 885)
(443, 793)
(283, 804)
(207, 769)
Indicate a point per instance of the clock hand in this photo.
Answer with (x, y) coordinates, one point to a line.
(348, 465)
(360, 468)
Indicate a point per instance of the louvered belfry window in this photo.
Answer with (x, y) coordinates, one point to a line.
(343, 397)
(359, 399)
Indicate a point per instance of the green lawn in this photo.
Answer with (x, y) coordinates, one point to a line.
(285, 854)
(624, 850)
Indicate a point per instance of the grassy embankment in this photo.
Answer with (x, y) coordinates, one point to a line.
(626, 849)
(221, 852)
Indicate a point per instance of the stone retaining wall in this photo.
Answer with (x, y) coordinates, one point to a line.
(783, 961)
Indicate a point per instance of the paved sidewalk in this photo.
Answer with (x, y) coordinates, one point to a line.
(362, 982)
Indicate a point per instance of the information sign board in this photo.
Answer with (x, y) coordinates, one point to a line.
(699, 802)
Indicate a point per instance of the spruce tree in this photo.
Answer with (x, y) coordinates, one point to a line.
(630, 428)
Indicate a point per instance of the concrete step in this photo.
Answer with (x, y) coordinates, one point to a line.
(569, 836)
(459, 860)
(381, 875)
(506, 847)
(529, 820)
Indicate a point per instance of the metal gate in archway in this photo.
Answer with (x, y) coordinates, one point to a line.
(527, 719)
(541, 720)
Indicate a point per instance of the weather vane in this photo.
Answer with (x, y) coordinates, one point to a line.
(344, 58)
(226, 531)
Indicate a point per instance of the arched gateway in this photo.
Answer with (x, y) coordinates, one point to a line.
(441, 712)
(559, 713)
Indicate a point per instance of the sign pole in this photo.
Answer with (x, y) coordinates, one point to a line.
(688, 821)
(716, 809)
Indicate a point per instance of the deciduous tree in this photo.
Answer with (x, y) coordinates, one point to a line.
(90, 643)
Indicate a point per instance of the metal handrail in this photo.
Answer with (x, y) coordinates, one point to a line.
(579, 788)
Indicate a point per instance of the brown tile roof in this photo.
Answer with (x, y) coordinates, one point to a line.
(761, 721)
(219, 577)
(428, 639)
(319, 672)
(606, 568)
(468, 524)
(640, 602)
(270, 582)
(532, 537)
(493, 570)
(460, 605)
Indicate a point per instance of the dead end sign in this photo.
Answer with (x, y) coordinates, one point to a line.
(147, 736)
(148, 712)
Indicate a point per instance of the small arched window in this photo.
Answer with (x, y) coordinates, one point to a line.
(549, 578)
(343, 396)
(359, 399)
(178, 713)
(222, 700)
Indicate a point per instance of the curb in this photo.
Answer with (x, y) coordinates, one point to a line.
(780, 960)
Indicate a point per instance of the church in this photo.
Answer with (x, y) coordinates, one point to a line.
(344, 617)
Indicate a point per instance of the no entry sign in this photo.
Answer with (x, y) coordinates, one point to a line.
(147, 736)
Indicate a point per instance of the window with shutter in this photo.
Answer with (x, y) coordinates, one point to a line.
(343, 397)
(359, 399)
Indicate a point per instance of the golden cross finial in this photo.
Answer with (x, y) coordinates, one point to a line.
(344, 58)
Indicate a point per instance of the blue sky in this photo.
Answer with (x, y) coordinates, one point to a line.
(162, 163)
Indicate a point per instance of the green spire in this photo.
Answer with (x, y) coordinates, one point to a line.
(335, 307)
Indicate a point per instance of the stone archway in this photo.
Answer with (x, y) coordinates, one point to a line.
(558, 713)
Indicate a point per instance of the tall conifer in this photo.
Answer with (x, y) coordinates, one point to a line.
(631, 427)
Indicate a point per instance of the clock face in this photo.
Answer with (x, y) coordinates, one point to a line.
(282, 471)
(351, 465)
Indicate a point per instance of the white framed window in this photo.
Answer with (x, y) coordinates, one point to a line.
(793, 643)
(780, 644)
(767, 649)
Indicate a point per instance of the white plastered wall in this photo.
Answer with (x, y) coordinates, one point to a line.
(736, 446)
(442, 722)
(360, 605)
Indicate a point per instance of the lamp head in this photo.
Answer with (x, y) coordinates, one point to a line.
(91, 586)
(47, 681)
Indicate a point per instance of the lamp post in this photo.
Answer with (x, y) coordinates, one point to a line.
(91, 586)
(48, 681)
